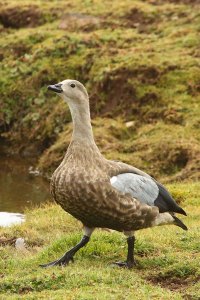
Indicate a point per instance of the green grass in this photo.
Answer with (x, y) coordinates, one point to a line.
(140, 63)
(167, 258)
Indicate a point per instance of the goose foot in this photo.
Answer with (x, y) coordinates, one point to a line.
(63, 261)
(130, 262)
(125, 264)
(69, 255)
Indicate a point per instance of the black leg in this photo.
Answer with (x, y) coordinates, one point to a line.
(130, 262)
(68, 256)
(130, 255)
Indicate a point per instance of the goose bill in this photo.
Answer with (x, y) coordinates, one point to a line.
(55, 88)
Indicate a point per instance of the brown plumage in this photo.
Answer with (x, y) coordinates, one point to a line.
(82, 183)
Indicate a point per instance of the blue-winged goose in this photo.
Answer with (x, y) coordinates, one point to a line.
(104, 193)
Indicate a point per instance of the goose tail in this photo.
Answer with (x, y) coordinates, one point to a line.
(179, 223)
(179, 210)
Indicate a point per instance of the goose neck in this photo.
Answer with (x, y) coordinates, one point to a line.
(82, 128)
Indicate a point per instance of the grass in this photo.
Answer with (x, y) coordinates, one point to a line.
(140, 63)
(167, 258)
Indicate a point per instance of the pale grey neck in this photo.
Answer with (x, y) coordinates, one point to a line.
(82, 128)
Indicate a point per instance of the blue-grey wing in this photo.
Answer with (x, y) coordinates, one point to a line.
(144, 189)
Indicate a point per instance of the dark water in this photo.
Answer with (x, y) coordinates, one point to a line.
(19, 185)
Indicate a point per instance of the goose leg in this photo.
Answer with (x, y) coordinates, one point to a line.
(130, 261)
(69, 255)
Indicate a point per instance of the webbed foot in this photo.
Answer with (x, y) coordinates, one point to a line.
(63, 261)
(69, 255)
(125, 264)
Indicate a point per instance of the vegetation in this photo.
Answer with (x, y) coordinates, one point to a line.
(140, 63)
(167, 258)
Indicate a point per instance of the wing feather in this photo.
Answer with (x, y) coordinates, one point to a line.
(142, 188)
(146, 190)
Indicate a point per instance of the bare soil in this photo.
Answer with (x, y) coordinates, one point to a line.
(173, 283)
(121, 94)
(18, 17)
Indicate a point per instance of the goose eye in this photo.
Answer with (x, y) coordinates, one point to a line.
(72, 85)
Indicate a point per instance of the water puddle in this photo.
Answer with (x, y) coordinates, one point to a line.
(20, 187)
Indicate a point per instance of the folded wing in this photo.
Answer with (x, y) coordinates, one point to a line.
(147, 191)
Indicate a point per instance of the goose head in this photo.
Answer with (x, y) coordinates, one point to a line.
(71, 91)
(75, 95)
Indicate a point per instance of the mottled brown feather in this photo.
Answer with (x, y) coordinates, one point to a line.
(81, 185)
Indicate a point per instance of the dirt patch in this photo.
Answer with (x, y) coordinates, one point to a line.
(172, 283)
(177, 158)
(1, 56)
(187, 2)
(170, 157)
(173, 116)
(190, 297)
(115, 94)
(190, 2)
(192, 169)
(76, 21)
(194, 89)
(25, 290)
(7, 241)
(18, 17)
(148, 98)
(180, 159)
(19, 49)
(136, 18)
(148, 75)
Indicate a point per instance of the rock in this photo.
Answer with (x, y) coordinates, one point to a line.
(76, 21)
(130, 124)
(20, 245)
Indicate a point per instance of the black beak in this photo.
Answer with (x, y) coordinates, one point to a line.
(56, 88)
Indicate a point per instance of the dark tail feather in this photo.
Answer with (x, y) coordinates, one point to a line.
(179, 223)
(165, 202)
(179, 210)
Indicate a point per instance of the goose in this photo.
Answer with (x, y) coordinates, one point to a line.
(102, 193)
